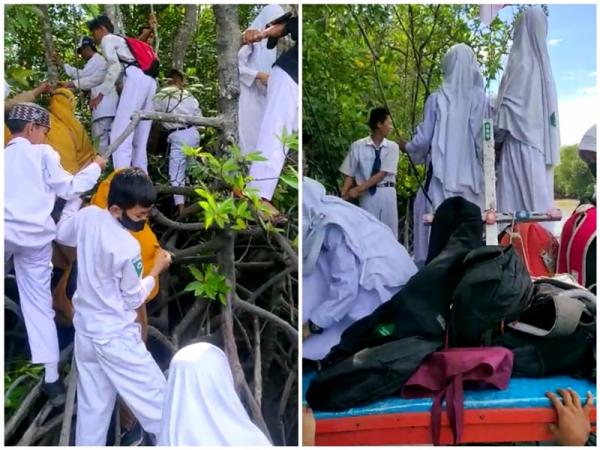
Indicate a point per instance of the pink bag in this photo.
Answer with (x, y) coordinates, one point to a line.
(443, 374)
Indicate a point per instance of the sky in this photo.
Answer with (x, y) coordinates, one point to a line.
(572, 49)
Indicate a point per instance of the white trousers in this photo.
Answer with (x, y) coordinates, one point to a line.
(101, 133)
(383, 205)
(281, 114)
(178, 162)
(33, 270)
(108, 367)
(138, 92)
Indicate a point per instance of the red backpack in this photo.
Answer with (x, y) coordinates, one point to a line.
(145, 57)
(576, 241)
(536, 245)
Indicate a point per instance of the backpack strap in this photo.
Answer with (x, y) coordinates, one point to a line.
(569, 306)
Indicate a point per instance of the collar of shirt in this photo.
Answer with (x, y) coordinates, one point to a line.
(18, 139)
(370, 142)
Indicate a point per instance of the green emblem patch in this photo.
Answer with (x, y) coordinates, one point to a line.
(138, 265)
(553, 119)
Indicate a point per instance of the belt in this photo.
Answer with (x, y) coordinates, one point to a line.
(387, 184)
(180, 128)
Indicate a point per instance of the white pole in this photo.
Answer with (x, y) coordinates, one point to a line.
(489, 173)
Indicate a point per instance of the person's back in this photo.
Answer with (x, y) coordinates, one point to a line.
(104, 248)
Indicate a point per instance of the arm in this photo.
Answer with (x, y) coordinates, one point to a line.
(348, 168)
(66, 229)
(142, 319)
(62, 182)
(419, 146)
(247, 75)
(373, 181)
(343, 289)
(134, 288)
(348, 183)
(113, 68)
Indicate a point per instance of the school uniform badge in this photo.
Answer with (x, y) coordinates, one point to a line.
(138, 265)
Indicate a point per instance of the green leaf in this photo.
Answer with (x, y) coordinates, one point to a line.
(196, 273)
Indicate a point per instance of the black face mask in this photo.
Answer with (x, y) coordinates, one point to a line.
(131, 225)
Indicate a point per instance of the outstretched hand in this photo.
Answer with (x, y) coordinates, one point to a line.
(573, 427)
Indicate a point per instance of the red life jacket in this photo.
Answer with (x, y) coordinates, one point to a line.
(577, 237)
(536, 245)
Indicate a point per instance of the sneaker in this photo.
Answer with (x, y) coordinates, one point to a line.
(132, 437)
(55, 391)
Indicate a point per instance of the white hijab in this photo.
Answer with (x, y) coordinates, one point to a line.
(201, 405)
(384, 262)
(588, 141)
(527, 106)
(259, 57)
(456, 147)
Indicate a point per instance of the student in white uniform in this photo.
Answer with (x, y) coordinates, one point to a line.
(527, 120)
(351, 264)
(255, 62)
(33, 179)
(109, 352)
(370, 171)
(449, 140)
(175, 99)
(90, 78)
(281, 111)
(202, 407)
(138, 92)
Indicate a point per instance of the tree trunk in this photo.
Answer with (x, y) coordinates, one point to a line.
(113, 13)
(185, 33)
(48, 45)
(228, 44)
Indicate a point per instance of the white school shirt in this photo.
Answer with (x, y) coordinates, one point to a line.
(33, 179)
(359, 160)
(173, 100)
(109, 271)
(115, 50)
(90, 78)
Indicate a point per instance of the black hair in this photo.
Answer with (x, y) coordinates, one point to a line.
(145, 27)
(131, 187)
(101, 21)
(175, 73)
(16, 125)
(377, 116)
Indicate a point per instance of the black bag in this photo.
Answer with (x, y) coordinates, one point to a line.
(370, 375)
(494, 289)
(421, 307)
(556, 335)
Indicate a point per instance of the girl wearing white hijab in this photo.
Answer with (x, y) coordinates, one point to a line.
(255, 62)
(527, 120)
(449, 139)
(201, 406)
(351, 264)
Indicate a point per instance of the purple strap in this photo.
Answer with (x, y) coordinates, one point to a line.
(453, 394)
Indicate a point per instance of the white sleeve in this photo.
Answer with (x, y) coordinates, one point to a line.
(70, 70)
(247, 74)
(90, 76)
(350, 163)
(419, 146)
(66, 229)
(134, 289)
(62, 182)
(114, 66)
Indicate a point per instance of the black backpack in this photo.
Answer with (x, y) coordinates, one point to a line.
(370, 375)
(494, 289)
(556, 335)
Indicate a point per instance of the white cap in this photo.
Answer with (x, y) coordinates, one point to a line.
(588, 141)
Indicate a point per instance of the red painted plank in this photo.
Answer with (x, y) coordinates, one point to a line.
(484, 425)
